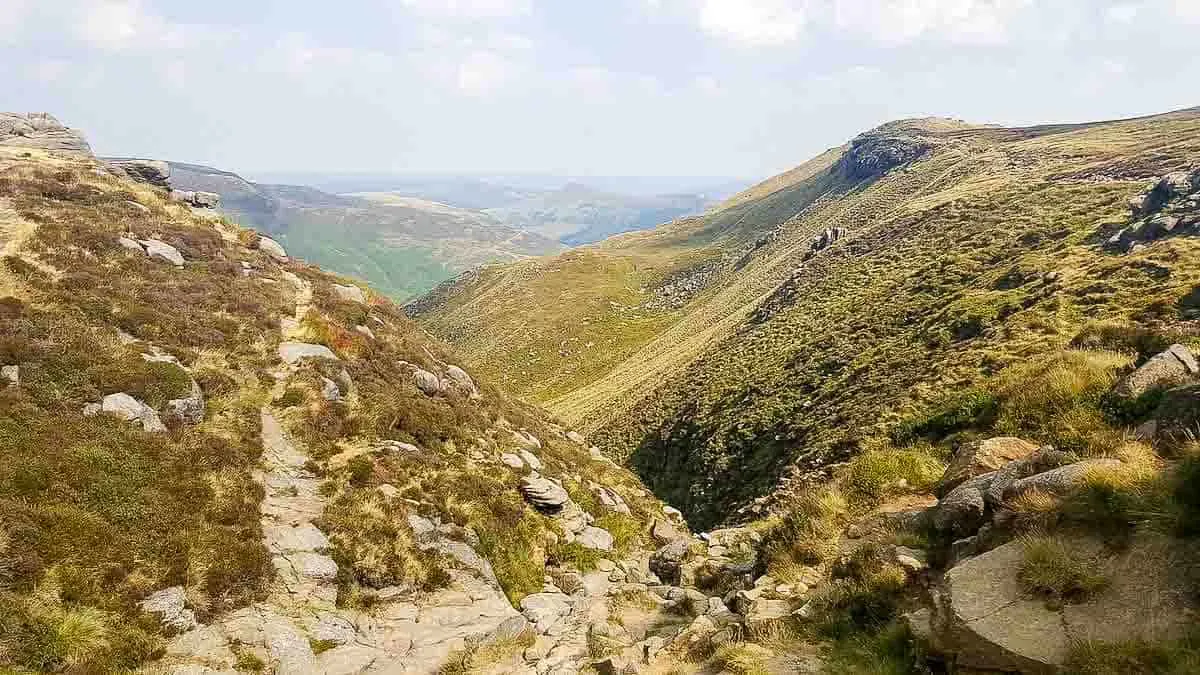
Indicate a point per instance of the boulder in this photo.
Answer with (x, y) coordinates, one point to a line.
(980, 457)
(543, 610)
(531, 459)
(427, 382)
(595, 538)
(663, 532)
(608, 498)
(544, 494)
(512, 461)
(667, 560)
(42, 131)
(1172, 367)
(149, 171)
(762, 613)
(1178, 415)
(576, 437)
(1058, 481)
(169, 605)
(986, 621)
(130, 244)
(459, 377)
(293, 352)
(963, 511)
(160, 249)
(190, 408)
(1176, 184)
(130, 409)
(330, 390)
(349, 293)
(11, 375)
(272, 248)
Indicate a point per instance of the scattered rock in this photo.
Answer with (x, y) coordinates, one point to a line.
(272, 248)
(543, 610)
(190, 408)
(595, 538)
(159, 249)
(608, 498)
(293, 352)
(667, 560)
(980, 457)
(350, 293)
(531, 459)
(545, 495)
(330, 390)
(169, 605)
(427, 382)
(576, 437)
(663, 532)
(131, 245)
(130, 409)
(149, 171)
(1172, 367)
(764, 612)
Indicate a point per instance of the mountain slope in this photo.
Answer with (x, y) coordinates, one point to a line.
(744, 346)
(215, 457)
(402, 248)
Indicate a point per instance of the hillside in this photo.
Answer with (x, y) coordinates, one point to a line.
(402, 248)
(776, 335)
(217, 458)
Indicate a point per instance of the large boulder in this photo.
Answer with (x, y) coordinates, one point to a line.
(130, 409)
(42, 131)
(272, 248)
(427, 382)
(349, 293)
(984, 619)
(1172, 367)
(980, 457)
(667, 560)
(150, 171)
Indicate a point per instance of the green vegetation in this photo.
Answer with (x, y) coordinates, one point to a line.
(954, 272)
(1136, 658)
(1053, 569)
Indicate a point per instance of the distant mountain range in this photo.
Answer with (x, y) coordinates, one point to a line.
(405, 234)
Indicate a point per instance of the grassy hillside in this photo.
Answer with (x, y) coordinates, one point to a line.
(966, 250)
(98, 513)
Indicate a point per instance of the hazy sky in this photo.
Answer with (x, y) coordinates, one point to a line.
(620, 87)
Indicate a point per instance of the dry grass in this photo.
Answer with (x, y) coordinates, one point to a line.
(1053, 569)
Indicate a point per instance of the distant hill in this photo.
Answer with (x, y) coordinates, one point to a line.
(403, 248)
(575, 211)
(789, 328)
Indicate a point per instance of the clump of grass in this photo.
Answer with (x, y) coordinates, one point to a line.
(888, 651)
(1052, 569)
(248, 662)
(477, 657)
(743, 658)
(1138, 657)
(806, 533)
(1057, 400)
(626, 530)
(878, 473)
(374, 545)
(863, 594)
(1114, 499)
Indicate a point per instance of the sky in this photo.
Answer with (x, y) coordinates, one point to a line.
(739, 88)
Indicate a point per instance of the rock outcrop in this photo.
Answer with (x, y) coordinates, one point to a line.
(150, 171)
(1171, 207)
(41, 131)
(980, 457)
(1175, 366)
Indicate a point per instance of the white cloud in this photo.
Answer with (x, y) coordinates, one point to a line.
(1122, 14)
(12, 16)
(113, 24)
(50, 70)
(470, 9)
(482, 72)
(904, 21)
(1188, 10)
(752, 22)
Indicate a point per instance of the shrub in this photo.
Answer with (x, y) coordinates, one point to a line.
(863, 593)
(1051, 568)
(806, 533)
